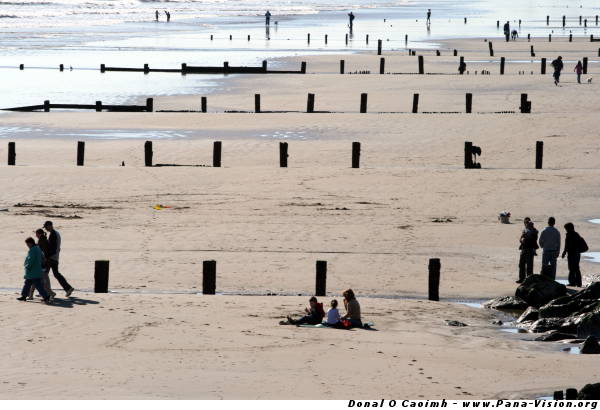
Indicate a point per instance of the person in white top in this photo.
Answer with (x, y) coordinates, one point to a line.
(333, 315)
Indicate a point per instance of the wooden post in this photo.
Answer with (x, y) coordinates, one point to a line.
(346, 38)
(217, 145)
(148, 153)
(528, 36)
(367, 37)
(225, 67)
(231, 37)
(585, 23)
(421, 65)
(434, 279)
(356, 155)
(532, 52)
(539, 154)
(580, 20)
(283, 154)
(469, 102)
(102, 68)
(502, 61)
(525, 105)
(570, 37)
(363, 103)
(47, 106)
(149, 104)
(303, 67)
(468, 155)
(491, 47)
(321, 279)
(80, 153)
(101, 269)
(379, 44)
(209, 277)
(257, 103)
(585, 65)
(497, 23)
(308, 38)
(558, 395)
(415, 107)
(571, 394)
(550, 38)
(211, 37)
(183, 68)
(12, 154)
(342, 62)
(98, 106)
(381, 65)
(543, 68)
(437, 53)
(325, 38)
(248, 37)
(310, 103)
(146, 68)
(264, 65)
(455, 52)
(61, 67)
(203, 104)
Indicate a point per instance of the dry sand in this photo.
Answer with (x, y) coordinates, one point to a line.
(266, 227)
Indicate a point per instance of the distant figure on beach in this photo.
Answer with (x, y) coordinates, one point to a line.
(514, 35)
(43, 245)
(351, 17)
(333, 314)
(352, 309)
(550, 243)
(507, 31)
(33, 271)
(428, 16)
(578, 70)
(314, 314)
(575, 245)
(268, 18)
(558, 66)
(528, 246)
(168, 16)
(156, 14)
(462, 67)
(53, 253)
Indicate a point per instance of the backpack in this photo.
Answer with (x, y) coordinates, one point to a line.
(583, 246)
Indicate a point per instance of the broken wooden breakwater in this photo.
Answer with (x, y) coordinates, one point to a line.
(98, 106)
(224, 69)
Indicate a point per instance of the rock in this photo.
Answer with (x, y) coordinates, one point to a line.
(554, 336)
(590, 346)
(538, 290)
(543, 325)
(506, 303)
(591, 292)
(497, 322)
(455, 323)
(554, 309)
(530, 315)
(589, 392)
(588, 324)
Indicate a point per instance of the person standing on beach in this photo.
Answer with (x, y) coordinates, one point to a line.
(43, 245)
(168, 15)
(558, 66)
(550, 243)
(268, 18)
(351, 17)
(53, 253)
(579, 70)
(33, 271)
(156, 14)
(528, 246)
(523, 254)
(575, 245)
(507, 31)
(428, 16)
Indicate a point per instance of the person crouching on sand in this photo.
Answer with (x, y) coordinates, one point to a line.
(314, 314)
(43, 244)
(352, 309)
(33, 271)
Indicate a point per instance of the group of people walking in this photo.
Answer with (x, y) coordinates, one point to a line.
(42, 257)
(315, 314)
(549, 241)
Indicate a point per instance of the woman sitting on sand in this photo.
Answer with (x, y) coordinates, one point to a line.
(352, 309)
(314, 314)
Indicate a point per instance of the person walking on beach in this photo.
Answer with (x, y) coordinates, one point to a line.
(550, 243)
(351, 17)
(156, 14)
(558, 66)
(268, 18)
(168, 16)
(43, 245)
(33, 271)
(462, 67)
(507, 31)
(579, 70)
(54, 241)
(428, 16)
(528, 246)
(575, 245)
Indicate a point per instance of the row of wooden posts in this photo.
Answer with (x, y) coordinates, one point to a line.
(98, 107)
(471, 152)
(564, 21)
(209, 278)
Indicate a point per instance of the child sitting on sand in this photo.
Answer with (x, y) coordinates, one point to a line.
(314, 314)
(333, 315)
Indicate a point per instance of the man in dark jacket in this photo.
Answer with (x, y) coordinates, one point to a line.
(523, 254)
(558, 66)
(507, 31)
(574, 246)
(53, 254)
(528, 247)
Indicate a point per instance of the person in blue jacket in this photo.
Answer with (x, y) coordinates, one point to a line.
(33, 271)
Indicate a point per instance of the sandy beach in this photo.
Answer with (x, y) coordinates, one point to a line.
(376, 226)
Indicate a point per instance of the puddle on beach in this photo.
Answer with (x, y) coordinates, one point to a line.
(572, 350)
(591, 257)
(595, 221)
(6, 132)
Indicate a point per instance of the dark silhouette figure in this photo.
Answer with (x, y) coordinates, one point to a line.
(558, 66)
(528, 247)
(156, 14)
(578, 70)
(507, 31)
(268, 18)
(54, 242)
(523, 254)
(514, 35)
(314, 314)
(574, 246)
(351, 17)
(168, 16)
(462, 67)
(428, 16)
